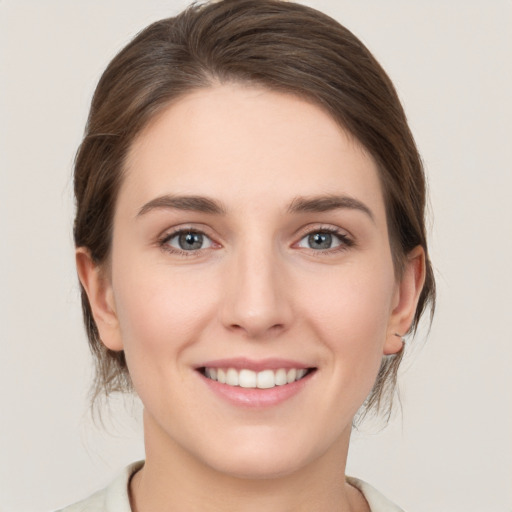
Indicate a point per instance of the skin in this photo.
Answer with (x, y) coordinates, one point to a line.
(255, 289)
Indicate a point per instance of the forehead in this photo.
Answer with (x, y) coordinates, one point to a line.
(244, 143)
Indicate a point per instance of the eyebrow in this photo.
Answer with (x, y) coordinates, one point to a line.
(188, 203)
(316, 204)
(327, 203)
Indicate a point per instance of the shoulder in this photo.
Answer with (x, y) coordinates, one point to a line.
(114, 498)
(376, 501)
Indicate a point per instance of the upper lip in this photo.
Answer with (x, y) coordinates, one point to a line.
(241, 363)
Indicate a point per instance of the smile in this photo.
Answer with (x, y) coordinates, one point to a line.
(250, 379)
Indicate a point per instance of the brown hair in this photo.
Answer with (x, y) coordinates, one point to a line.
(282, 46)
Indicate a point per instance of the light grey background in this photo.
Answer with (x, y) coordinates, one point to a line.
(451, 450)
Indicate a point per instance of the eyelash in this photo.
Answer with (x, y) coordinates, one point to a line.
(163, 242)
(346, 241)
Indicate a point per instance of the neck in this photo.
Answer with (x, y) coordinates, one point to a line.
(174, 479)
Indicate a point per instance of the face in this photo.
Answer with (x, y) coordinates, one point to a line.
(251, 281)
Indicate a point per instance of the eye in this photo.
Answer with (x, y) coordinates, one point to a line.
(187, 241)
(322, 240)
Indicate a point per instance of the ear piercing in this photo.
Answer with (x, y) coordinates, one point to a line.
(403, 340)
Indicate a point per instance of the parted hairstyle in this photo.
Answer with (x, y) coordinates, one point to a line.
(284, 47)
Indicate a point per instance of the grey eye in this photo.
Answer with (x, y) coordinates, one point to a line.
(189, 241)
(320, 240)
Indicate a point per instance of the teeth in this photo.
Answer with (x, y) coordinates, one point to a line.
(266, 379)
(281, 377)
(249, 379)
(232, 377)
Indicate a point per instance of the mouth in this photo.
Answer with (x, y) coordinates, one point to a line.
(250, 379)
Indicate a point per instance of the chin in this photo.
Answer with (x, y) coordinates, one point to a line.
(264, 456)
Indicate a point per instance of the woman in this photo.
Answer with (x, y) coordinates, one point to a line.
(251, 248)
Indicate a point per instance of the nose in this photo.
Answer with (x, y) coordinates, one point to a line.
(255, 299)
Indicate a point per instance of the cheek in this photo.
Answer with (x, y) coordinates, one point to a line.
(161, 311)
(351, 315)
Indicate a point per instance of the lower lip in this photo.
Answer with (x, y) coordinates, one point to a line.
(251, 397)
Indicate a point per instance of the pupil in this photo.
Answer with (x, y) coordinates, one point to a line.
(320, 240)
(190, 241)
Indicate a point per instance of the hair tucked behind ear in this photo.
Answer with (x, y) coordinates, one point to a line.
(279, 45)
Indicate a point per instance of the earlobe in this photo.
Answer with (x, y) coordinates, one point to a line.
(394, 344)
(407, 297)
(99, 291)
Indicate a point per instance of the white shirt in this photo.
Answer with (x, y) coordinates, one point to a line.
(115, 497)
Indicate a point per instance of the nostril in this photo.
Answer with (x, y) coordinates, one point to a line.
(258, 330)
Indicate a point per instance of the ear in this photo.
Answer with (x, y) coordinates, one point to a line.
(98, 287)
(405, 300)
